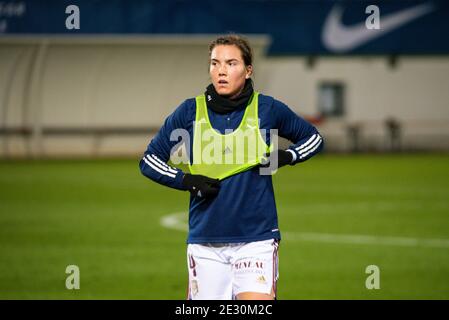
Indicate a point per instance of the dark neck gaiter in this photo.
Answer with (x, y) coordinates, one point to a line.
(222, 104)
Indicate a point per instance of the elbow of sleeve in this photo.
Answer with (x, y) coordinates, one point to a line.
(321, 147)
(142, 167)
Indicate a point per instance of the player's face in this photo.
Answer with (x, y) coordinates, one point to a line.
(227, 70)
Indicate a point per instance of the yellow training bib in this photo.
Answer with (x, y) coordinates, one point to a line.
(219, 156)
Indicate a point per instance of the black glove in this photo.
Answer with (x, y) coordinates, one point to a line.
(284, 158)
(201, 186)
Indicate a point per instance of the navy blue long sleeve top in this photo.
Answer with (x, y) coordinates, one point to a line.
(244, 209)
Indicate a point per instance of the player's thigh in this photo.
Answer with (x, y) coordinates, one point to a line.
(255, 270)
(209, 277)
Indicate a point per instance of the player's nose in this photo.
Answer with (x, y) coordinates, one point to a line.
(222, 70)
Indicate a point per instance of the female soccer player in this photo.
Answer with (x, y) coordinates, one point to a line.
(233, 239)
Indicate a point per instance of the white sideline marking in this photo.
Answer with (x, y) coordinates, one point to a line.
(176, 221)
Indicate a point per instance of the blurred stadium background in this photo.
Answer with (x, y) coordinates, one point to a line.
(79, 106)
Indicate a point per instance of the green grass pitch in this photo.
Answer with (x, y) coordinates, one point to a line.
(339, 214)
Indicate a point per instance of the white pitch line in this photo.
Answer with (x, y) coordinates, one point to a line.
(177, 221)
(365, 239)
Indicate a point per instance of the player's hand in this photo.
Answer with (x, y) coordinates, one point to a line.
(201, 186)
(283, 158)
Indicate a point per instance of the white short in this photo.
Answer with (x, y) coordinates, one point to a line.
(220, 271)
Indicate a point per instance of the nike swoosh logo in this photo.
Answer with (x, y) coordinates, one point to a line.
(337, 37)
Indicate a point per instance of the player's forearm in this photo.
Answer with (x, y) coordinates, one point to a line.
(152, 167)
(306, 147)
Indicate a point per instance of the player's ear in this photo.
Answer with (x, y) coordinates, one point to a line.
(249, 71)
